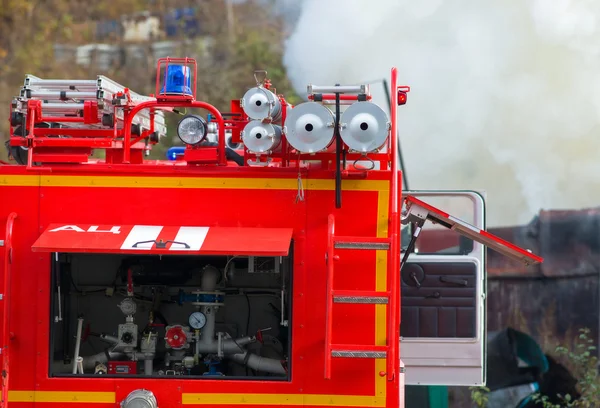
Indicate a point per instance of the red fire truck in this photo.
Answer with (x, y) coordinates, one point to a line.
(261, 263)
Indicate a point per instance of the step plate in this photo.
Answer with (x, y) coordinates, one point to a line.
(362, 245)
(358, 354)
(378, 300)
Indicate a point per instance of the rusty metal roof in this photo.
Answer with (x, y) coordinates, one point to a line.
(568, 240)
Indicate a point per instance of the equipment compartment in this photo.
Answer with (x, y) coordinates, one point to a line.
(170, 316)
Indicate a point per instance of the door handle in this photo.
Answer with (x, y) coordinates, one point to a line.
(413, 276)
(456, 281)
(434, 295)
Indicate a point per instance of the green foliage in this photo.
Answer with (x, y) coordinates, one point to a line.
(581, 361)
(479, 395)
(584, 366)
(237, 40)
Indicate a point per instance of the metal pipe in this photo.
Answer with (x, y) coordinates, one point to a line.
(148, 366)
(77, 343)
(208, 332)
(108, 338)
(342, 103)
(258, 363)
(49, 83)
(210, 276)
(228, 346)
(61, 107)
(57, 95)
(313, 89)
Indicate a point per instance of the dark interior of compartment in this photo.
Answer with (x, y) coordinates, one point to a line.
(166, 327)
(443, 303)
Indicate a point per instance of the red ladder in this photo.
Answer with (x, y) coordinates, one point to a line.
(389, 351)
(392, 244)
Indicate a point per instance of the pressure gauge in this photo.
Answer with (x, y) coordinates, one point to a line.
(197, 320)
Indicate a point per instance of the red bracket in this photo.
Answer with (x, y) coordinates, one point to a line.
(90, 112)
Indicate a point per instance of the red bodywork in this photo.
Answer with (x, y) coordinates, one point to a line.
(93, 207)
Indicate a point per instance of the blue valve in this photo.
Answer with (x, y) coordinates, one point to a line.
(175, 151)
(212, 367)
(198, 297)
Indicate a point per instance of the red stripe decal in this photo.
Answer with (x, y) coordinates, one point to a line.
(428, 207)
(512, 246)
(167, 234)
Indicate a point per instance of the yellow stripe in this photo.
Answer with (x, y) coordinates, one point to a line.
(62, 396)
(205, 398)
(381, 285)
(282, 399)
(187, 182)
(19, 181)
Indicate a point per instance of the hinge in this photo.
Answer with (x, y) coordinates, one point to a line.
(1, 242)
(1, 296)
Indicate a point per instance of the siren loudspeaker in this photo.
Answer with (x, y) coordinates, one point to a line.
(309, 127)
(365, 127)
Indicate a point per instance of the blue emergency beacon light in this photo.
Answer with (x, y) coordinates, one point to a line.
(176, 76)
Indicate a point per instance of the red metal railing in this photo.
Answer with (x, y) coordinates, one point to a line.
(329, 305)
(393, 361)
(222, 160)
(6, 334)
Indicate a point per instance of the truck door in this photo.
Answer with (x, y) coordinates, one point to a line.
(443, 286)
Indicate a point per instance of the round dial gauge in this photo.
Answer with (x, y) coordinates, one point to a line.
(197, 320)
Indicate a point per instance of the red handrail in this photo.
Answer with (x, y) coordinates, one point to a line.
(329, 305)
(393, 361)
(174, 104)
(6, 335)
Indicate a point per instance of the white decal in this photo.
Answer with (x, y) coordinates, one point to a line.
(114, 229)
(192, 236)
(67, 228)
(142, 233)
(93, 228)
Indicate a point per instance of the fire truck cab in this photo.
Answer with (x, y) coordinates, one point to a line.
(271, 260)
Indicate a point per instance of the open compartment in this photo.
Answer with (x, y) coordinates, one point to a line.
(170, 308)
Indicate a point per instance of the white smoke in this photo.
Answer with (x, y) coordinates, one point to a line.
(505, 94)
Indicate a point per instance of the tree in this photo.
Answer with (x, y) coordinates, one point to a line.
(252, 41)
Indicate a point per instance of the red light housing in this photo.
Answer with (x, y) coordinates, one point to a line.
(403, 94)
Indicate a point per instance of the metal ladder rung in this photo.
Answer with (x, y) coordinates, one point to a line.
(355, 351)
(361, 243)
(360, 297)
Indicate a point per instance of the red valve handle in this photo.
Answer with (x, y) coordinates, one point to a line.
(176, 337)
